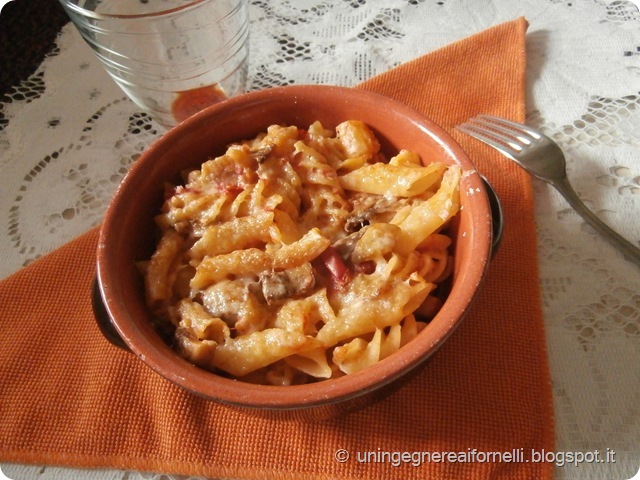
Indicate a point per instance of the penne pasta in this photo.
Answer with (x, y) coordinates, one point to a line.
(310, 246)
(388, 179)
(248, 353)
(236, 234)
(301, 255)
(251, 261)
(429, 216)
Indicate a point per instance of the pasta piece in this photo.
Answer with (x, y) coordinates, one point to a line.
(230, 173)
(198, 352)
(206, 214)
(398, 180)
(313, 167)
(279, 373)
(435, 266)
(253, 261)
(435, 243)
(313, 363)
(159, 270)
(197, 323)
(437, 262)
(192, 208)
(306, 315)
(427, 217)
(391, 342)
(377, 240)
(198, 333)
(317, 132)
(241, 204)
(242, 355)
(403, 267)
(279, 178)
(406, 158)
(236, 304)
(325, 210)
(410, 329)
(358, 354)
(284, 228)
(236, 234)
(359, 143)
(280, 139)
(361, 315)
(324, 141)
(250, 261)
(302, 251)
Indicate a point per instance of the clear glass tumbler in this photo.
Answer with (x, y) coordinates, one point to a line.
(171, 57)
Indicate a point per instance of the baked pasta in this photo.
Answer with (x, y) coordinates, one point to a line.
(301, 255)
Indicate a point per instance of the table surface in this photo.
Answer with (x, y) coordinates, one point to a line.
(67, 130)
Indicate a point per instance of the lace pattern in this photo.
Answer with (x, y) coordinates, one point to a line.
(68, 135)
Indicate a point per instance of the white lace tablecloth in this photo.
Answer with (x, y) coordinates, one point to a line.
(69, 135)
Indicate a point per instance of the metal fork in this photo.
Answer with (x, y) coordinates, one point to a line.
(543, 158)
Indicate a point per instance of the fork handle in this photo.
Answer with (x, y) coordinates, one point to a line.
(629, 250)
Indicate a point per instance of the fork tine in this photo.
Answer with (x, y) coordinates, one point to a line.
(482, 135)
(517, 127)
(510, 134)
(494, 132)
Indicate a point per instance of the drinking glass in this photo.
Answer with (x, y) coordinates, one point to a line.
(171, 57)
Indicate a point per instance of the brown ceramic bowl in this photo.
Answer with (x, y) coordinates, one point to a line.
(128, 235)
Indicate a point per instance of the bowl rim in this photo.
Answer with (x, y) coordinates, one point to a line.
(178, 370)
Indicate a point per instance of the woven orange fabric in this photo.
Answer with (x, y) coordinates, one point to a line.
(71, 398)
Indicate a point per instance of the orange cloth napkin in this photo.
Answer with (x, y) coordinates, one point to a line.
(71, 398)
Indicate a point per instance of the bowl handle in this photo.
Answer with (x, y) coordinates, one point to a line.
(497, 216)
(103, 319)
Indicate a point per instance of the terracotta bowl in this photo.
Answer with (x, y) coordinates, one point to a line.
(128, 235)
